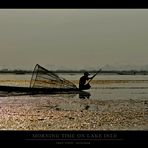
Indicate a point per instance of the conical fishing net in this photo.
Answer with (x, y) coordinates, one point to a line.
(43, 78)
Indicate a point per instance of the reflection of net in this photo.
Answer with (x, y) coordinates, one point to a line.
(42, 78)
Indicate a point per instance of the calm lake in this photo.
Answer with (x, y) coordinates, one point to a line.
(104, 87)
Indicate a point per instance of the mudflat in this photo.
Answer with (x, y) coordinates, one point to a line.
(59, 113)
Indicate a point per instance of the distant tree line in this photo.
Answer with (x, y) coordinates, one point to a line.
(123, 72)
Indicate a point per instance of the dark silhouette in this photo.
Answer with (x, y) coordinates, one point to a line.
(84, 95)
(82, 82)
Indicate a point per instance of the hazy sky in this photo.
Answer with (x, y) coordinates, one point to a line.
(78, 38)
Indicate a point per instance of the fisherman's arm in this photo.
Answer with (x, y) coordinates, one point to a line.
(90, 78)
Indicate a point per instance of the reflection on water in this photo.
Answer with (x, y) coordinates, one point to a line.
(84, 95)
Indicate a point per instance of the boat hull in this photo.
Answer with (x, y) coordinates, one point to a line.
(38, 90)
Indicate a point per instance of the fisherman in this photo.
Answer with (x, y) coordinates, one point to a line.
(82, 82)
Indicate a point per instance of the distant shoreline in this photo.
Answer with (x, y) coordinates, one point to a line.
(122, 72)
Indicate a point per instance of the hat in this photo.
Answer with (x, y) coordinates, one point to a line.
(86, 73)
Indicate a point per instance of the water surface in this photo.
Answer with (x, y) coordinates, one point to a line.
(104, 87)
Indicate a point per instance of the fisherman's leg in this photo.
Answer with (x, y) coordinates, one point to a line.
(87, 86)
(84, 87)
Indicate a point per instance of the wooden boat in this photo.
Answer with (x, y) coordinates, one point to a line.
(14, 90)
(38, 90)
(45, 82)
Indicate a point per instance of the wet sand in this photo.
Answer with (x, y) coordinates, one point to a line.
(59, 113)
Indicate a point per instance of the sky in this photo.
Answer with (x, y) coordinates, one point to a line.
(73, 38)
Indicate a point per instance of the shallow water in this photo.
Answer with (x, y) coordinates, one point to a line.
(104, 87)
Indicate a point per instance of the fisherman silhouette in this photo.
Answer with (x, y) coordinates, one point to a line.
(83, 80)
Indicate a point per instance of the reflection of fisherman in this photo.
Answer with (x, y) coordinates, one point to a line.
(84, 95)
(82, 82)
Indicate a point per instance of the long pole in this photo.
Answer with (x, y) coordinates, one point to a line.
(94, 75)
